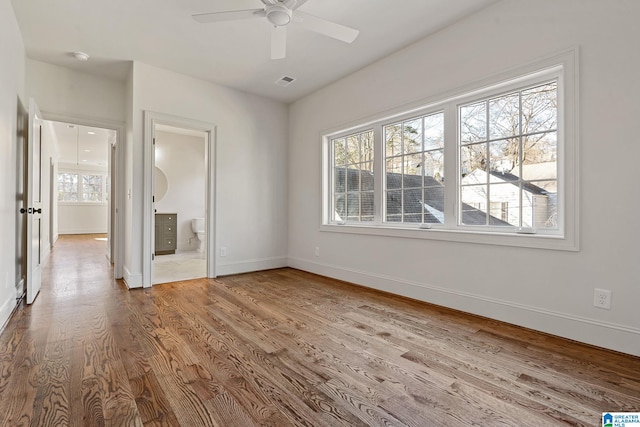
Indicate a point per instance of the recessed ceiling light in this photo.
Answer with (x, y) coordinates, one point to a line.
(91, 133)
(87, 151)
(84, 160)
(80, 56)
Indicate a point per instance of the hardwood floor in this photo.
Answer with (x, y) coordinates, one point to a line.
(283, 348)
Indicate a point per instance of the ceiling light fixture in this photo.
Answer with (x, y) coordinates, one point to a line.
(91, 133)
(279, 15)
(81, 56)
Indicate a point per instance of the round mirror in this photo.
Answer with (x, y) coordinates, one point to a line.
(161, 185)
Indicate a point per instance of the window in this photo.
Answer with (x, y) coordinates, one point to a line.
(414, 170)
(81, 187)
(492, 165)
(67, 187)
(353, 177)
(508, 159)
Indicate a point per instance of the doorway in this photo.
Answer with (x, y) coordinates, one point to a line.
(179, 195)
(179, 199)
(86, 183)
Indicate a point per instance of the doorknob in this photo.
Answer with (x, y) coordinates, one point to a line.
(23, 210)
(37, 211)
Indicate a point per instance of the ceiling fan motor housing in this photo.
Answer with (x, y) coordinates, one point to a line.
(278, 14)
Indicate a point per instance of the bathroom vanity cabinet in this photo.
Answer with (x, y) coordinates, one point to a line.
(166, 233)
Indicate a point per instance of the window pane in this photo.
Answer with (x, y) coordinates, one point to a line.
(540, 108)
(412, 171)
(545, 204)
(366, 176)
(339, 208)
(393, 140)
(433, 205)
(504, 158)
(353, 206)
(67, 187)
(474, 205)
(353, 149)
(433, 167)
(473, 123)
(539, 157)
(434, 131)
(92, 188)
(412, 205)
(353, 179)
(339, 152)
(366, 206)
(394, 173)
(367, 147)
(504, 206)
(394, 206)
(504, 116)
(412, 136)
(340, 180)
(473, 158)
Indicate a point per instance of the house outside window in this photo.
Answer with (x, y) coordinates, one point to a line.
(508, 156)
(476, 166)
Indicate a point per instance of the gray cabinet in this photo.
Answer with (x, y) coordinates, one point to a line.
(166, 233)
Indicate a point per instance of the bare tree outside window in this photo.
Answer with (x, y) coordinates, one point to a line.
(508, 157)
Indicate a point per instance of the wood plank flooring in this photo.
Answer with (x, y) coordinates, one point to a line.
(283, 348)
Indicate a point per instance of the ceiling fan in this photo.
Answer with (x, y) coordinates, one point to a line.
(281, 13)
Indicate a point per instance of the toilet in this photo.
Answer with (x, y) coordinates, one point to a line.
(197, 225)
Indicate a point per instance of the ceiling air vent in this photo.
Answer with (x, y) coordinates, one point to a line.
(285, 81)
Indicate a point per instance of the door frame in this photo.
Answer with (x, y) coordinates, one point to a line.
(116, 172)
(151, 119)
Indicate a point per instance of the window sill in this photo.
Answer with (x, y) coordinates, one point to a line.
(536, 241)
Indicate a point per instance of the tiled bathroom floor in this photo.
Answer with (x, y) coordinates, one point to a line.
(180, 266)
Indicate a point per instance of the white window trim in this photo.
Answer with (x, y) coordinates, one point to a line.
(564, 66)
(80, 173)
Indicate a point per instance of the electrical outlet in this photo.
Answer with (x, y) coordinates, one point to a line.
(317, 251)
(602, 298)
(223, 251)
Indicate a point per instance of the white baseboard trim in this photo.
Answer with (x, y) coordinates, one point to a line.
(249, 265)
(131, 280)
(6, 311)
(82, 231)
(613, 336)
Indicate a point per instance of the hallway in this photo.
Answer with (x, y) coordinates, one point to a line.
(68, 326)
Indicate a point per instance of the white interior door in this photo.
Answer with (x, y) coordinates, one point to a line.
(34, 202)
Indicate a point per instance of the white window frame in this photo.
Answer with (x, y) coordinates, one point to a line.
(563, 67)
(81, 173)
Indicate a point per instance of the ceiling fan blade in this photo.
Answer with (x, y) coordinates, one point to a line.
(328, 28)
(299, 3)
(232, 15)
(278, 42)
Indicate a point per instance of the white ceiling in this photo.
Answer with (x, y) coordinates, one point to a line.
(236, 54)
(83, 145)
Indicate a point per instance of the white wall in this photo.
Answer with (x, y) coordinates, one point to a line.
(251, 168)
(181, 158)
(61, 91)
(480, 278)
(11, 88)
